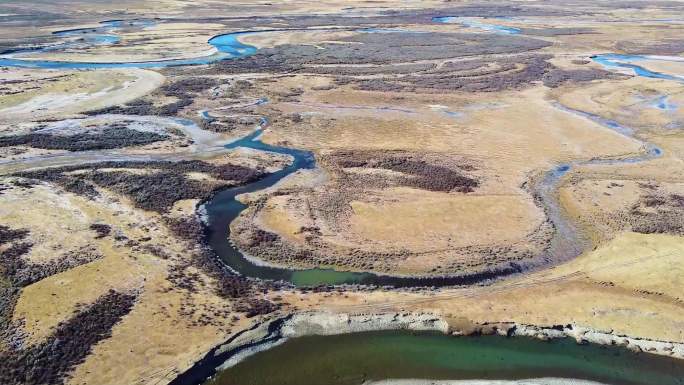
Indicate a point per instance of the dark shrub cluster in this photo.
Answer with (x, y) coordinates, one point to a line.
(187, 228)
(14, 268)
(228, 124)
(658, 214)
(182, 90)
(107, 139)
(557, 77)
(226, 172)
(665, 47)
(490, 76)
(101, 229)
(19, 272)
(10, 263)
(145, 107)
(8, 299)
(242, 291)
(420, 173)
(135, 107)
(71, 183)
(25, 273)
(255, 307)
(8, 234)
(261, 237)
(388, 69)
(157, 190)
(557, 31)
(51, 361)
(172, 108)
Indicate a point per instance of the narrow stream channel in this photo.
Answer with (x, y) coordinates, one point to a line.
(360, 357)
(227, 46)
(223, 208)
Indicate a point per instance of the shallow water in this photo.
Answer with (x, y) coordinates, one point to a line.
(204, 114)
(222, 209)
(227, 46)
(663, 103)
(105, 33)
(356, 358)
(472, 23)
(614, 60)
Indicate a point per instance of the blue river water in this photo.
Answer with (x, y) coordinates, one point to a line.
(223, 208)
(471, 23)
(206, 116)
(228, 47)
(105, 34)
(615, 60)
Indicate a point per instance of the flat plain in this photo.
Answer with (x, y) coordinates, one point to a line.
(496, 167)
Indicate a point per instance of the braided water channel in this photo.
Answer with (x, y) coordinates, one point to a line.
(355, 358)
(223, 208)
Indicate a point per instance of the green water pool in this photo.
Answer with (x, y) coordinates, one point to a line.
(356, 358)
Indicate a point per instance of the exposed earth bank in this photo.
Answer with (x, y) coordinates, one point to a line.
(270, 333)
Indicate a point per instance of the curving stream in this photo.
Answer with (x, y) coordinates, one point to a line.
(223, 208)
(630, 62)
(355, 358)
(475, 23)
(566, 244)
(227, 46)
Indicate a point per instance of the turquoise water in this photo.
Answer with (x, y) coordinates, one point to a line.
(614, 60)
(356, 358)
(477, 24)
(228, 47)
(105, 34)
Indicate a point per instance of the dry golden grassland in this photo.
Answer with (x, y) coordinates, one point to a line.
(626, 282)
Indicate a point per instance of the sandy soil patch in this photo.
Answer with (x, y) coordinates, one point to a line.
(63, 94)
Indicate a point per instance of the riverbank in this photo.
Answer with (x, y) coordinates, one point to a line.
(435, 160)
(535, 381)
(266, 335)
(318, 323)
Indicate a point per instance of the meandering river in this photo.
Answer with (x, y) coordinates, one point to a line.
(223, 208)
(227, 46)
(355, 358)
